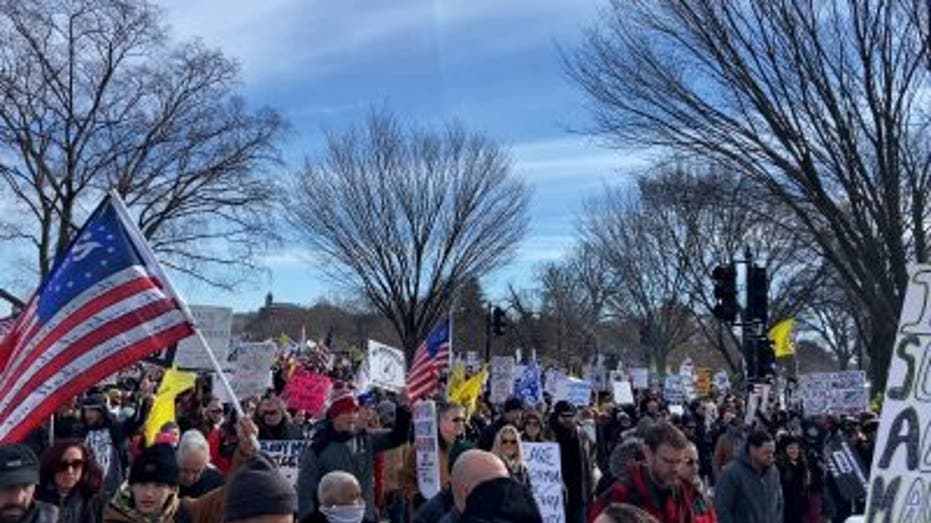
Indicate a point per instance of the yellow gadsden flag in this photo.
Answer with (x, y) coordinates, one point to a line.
(467, 393)
(163, 408)
(456, 378)
(781, 334)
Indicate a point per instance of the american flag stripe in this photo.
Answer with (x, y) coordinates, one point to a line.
(37, 334)
(84, 371)
(66, 350)
(64, 329)
(423, 379)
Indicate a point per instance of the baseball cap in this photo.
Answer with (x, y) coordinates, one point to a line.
(18, 465)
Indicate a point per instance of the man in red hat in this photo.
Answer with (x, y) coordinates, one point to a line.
(340, 443)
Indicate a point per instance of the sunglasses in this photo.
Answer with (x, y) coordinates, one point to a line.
(509, 442)
(77, 464)
(270, 413)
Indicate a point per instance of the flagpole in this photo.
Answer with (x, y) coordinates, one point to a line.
(452, 315)
(142, 248)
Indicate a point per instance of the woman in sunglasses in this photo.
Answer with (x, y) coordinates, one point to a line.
(507, 447)
(533, 427)
(70, 479)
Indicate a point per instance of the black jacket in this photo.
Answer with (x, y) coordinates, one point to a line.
(513, 503)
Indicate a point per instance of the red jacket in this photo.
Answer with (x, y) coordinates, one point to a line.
(678, 505)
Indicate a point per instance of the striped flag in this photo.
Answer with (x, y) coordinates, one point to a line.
(6, 325)
(104, 306)
(430, 361)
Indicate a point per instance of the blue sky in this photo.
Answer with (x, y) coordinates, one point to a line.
(494, 65)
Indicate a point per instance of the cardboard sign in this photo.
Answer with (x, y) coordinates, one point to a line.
(640, 378)
(545, 469)
(901, 471)
(703, 381)
(575, 391)
(285, 453)
(215, 323)
(501, 384)
(386, 366)
(847, 469)
(673, 389)
(426, 448)
(251, 367)
(596, 375)
(623, 393)
(308, 391)
(834, 392)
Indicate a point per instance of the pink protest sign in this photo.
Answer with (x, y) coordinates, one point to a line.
(308, 391)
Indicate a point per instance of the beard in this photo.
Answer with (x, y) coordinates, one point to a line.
(13, 513)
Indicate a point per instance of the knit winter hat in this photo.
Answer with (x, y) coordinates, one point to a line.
(342, 400)
(156, 464)
(258, 489)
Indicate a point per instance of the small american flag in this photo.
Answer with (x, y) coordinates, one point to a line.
(430, 361)
(100, 309)
(6, 325)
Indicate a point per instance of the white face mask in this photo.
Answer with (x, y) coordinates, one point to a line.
(588, 426)
(344, 513)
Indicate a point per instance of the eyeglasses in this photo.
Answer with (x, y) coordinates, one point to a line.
(509, 442)
(77, 464)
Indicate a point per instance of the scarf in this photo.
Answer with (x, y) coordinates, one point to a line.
(122, 503)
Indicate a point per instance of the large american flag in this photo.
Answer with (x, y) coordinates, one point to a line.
(101, 308)
(430, 361)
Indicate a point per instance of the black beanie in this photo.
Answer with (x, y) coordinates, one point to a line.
(156, 464)
(258, 489)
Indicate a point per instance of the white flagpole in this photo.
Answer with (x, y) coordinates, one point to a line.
(142, 247)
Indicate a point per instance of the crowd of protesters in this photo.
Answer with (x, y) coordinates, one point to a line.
(708, 461)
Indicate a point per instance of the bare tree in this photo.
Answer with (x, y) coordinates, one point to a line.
(404, 216)
(821, 103)
(94, 97)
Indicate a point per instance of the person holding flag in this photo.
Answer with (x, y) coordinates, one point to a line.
(340, 443)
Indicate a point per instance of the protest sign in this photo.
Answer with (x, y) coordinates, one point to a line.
(308, 391)
(386, 366)
(286, 453)
(250, 366)
(543, 466)
(472, 361)
(687, 368)
(501, 384)
(673, 389)
(703, 381)
(596, 375)
(623, 393)
(901, 470)
(640, 378)
(215, 323)
(575, 391)
(722, 382)
(426, 447)
(527, 386)
(834, 392)
(847, 469)
(551, 381)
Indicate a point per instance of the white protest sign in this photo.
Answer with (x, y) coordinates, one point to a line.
(673, 389)
(250, 368)
(686, 368)
(216, 324)
(472, 361)
(501, 384)
(901, 471)
(575, 391)
(640, 378)
(551, 381)
(596, 375)
(623, 393)
(285, 453)
(722, 381)
(386, 366)
(834, 392)
(427, 448)
(544, 467)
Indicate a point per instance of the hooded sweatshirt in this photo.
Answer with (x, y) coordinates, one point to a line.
(514, 503)
(744, 495)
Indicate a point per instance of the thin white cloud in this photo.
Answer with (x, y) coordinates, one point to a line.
(574, 159)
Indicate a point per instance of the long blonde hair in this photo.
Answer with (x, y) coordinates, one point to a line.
(496, 448)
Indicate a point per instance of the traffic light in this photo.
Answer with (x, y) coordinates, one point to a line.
(725, 292)
(499, 322)
(765, 357)
(757, 291)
